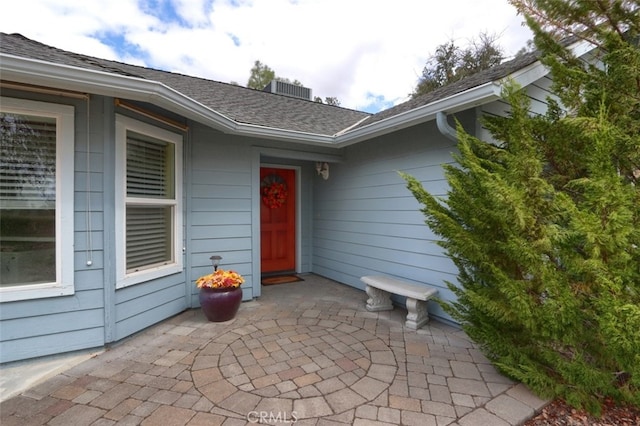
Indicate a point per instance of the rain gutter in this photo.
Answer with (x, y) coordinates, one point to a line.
(473, 97)
(38, 72)
(82, 80)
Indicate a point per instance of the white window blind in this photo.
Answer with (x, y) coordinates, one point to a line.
(150, 178)
(148, 237)
(149, 167)
(27, 161)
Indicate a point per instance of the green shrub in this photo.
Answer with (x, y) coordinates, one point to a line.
(544, 227)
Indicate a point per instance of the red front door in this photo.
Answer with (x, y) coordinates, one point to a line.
(277, 220)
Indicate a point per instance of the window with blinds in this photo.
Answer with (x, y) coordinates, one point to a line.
(27, 199)
(148, 202)
(150, 209)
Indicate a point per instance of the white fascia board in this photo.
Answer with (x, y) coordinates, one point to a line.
(537, 70)
(527, 75)
(582, 47)
(300, 155)
(284, 135)
(46, 74)
(460, 101)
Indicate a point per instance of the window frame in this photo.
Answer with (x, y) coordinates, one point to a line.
(64, 218)
(124, 278)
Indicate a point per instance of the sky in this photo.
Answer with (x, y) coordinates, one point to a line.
(367, 53)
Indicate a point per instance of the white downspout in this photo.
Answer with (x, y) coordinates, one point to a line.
(444, 127)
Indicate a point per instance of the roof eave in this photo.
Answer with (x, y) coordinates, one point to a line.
(471, 98)
(452, 104)
(47, 74)
(44, 73)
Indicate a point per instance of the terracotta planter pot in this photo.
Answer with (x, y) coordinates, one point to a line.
(220, 304)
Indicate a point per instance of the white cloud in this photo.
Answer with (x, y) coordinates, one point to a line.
(355, 50)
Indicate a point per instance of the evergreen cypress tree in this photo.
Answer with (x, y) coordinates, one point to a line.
(544, 224)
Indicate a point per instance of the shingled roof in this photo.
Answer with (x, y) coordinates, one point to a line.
(254, 107)
(495, 73)
(238, 103)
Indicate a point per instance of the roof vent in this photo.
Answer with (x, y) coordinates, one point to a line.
(288, 89)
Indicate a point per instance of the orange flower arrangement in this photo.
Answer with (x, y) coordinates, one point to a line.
(220, 279)
(274, 191)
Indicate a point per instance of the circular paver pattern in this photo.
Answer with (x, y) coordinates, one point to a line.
(311, 368)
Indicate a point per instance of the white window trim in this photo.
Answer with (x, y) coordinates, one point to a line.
(64, 285)
(124, 279)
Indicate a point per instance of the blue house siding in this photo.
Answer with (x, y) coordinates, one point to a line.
(224, 203)
(220, 207)
(367, 222)
(35, 328)
(144, 304)
(51, 344)
(307, 178)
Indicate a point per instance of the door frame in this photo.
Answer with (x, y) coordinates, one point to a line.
(257, 284)
(257, 153)
(297, 210)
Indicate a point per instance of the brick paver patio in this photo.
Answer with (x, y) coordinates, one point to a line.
(307, 353)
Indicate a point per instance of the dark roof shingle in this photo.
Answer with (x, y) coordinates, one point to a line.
(486, 76)
(255, 107)
(239, 103)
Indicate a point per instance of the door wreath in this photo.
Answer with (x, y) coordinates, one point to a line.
(273, 190)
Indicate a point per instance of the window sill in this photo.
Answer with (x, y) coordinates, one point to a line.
(34, 291)
(148, 275)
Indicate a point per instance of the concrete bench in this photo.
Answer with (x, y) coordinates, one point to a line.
(380, 288)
